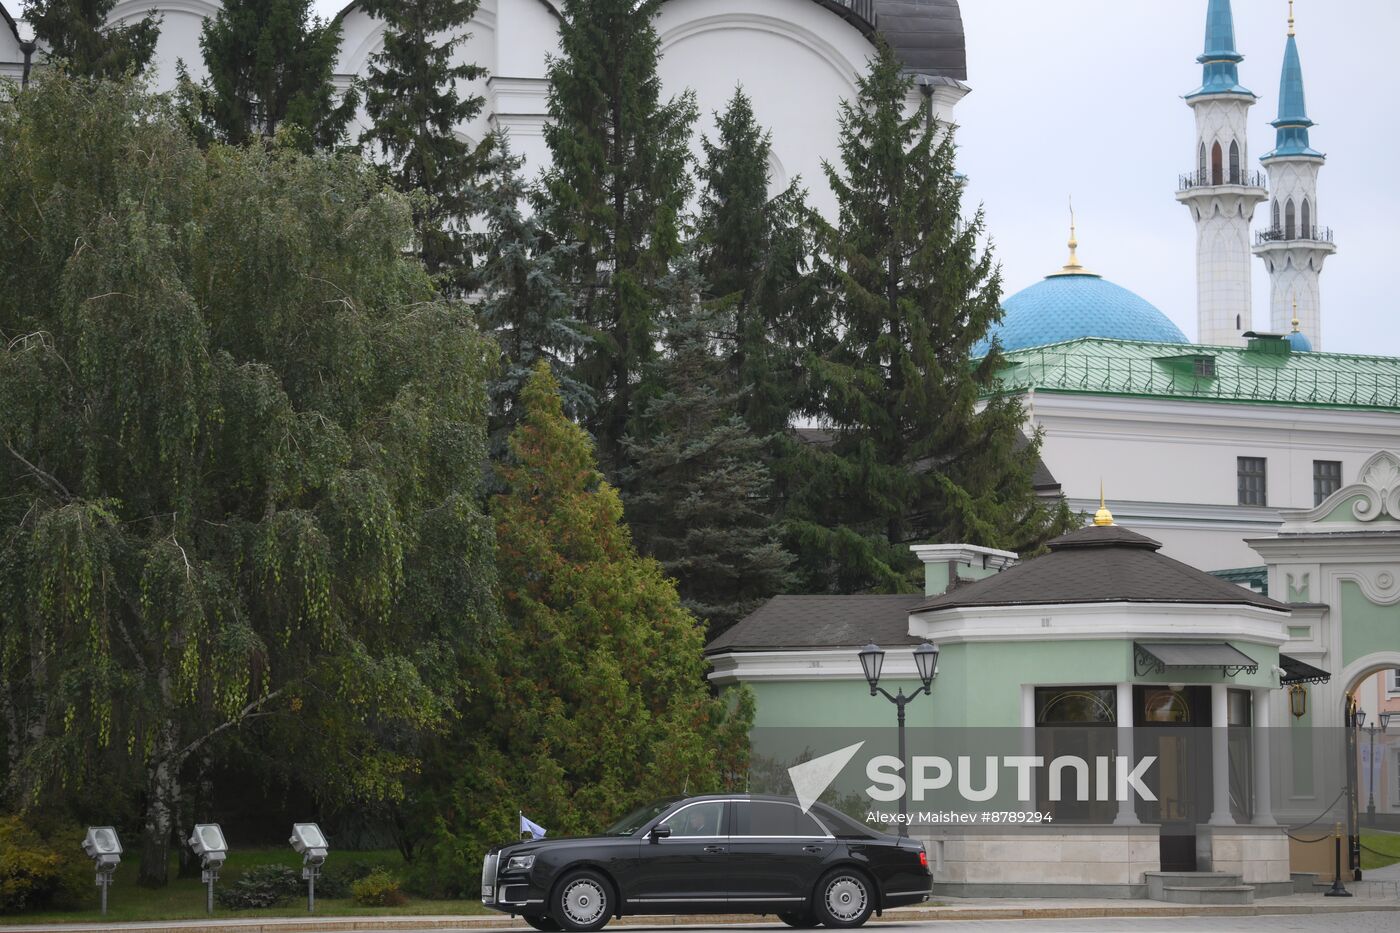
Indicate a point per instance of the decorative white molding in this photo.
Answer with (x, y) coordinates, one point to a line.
(807, 664)
(757, 22)
(1377, 491)
(1378, 585)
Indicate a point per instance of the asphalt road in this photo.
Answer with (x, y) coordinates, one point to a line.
(1368, 922)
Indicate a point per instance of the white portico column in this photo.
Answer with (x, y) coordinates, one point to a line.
(1127, 812)
(1220, 756)
(1263, 777)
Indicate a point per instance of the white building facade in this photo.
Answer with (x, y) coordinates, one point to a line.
(796, 59)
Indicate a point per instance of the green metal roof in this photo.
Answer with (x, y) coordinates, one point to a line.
(1266, 372)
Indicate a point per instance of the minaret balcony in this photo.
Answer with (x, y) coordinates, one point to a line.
(1236, 179)
(1276, 235)
(1283, 238)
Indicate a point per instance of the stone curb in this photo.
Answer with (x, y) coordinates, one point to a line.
(905, 915)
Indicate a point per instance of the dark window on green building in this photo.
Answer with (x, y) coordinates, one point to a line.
(1327, 479)
(1253, 480)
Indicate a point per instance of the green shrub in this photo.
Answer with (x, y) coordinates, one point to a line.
(335, 882)
(263, 886)
(378, 889)
(37, 874)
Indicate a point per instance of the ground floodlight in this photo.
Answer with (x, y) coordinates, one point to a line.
(103, 847)
(309, 842)
(208, 843)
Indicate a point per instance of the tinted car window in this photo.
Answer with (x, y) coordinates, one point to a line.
(698, 819)
(765, 818)
(842, 825)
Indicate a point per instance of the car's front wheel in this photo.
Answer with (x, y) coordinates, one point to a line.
(800, 921)
(544, 923)
(582, 902)
(844, 898)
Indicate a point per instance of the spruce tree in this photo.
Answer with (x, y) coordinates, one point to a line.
(754, 252)
(596, 699)
(270, 63)
(526, 304)
(616, 191)
(914, 455)
(78, 33)
(413, 104)
(700, 497)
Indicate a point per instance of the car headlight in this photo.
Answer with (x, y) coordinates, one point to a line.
(520, 863)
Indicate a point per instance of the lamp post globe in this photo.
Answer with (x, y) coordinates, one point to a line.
(872, 659)
(926, 660)
(1385, 721)
(1360, 717)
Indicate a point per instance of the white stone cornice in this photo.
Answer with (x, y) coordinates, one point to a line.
(1086, 621)
(1247, 519)
(1352, 549)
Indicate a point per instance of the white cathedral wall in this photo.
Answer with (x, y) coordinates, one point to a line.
(181, 22)
(795, 59)
(11, 58)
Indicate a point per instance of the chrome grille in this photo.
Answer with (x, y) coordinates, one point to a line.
(488, 877)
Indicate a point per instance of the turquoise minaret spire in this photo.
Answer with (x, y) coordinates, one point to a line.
(1219, 190)
(1220, 61)
(1292, 123)
(1294, 246)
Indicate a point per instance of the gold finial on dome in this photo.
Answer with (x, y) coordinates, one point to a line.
(1072, 267)
(1290, 17)
(1295, 313)
(1103, 517)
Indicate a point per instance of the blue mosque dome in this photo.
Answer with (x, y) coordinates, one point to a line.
(1074, 303)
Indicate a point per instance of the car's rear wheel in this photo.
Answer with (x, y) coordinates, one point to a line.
(582, 902)
(801, 921)
(544, 923)
(844, 898)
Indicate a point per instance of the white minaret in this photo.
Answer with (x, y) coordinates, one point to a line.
(1219, 192)
(1294, 246)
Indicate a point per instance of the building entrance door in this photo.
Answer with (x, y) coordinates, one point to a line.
(1171, 724)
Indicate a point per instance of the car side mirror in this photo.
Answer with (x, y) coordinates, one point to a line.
(660, 832)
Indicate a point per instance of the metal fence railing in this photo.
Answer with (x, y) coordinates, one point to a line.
(1284, 234)
(1208, 179)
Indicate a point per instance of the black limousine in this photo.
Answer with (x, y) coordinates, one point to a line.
(728, 853)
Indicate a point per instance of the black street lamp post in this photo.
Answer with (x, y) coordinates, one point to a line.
(1371, 730)
(872, 659)
(27, 45)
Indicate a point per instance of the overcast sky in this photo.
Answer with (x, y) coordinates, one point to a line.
(1083, 98)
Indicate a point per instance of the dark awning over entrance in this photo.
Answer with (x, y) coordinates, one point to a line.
(1300, 672)
(1160, 657)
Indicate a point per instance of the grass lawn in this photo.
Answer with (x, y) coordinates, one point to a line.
(184, 898)
(1379, 842)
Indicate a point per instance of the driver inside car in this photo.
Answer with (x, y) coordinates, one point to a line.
(696, 823)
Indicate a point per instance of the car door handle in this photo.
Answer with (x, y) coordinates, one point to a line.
(714, 850)
(813, 850)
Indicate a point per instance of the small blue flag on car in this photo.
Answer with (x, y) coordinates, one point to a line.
(535, 830)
